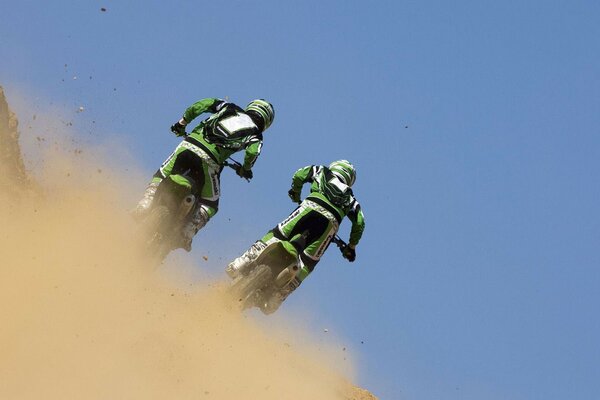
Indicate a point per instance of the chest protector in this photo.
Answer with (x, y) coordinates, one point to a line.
(231, 128)
(335, 190)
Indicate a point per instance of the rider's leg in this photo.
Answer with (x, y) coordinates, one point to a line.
(315, 249)
(198, 220)
(144, 205)
(321, 226)
(209, 179)
(237, 267)
(317, 224)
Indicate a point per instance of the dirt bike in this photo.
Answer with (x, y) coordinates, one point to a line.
(275, 268)
(174, 204)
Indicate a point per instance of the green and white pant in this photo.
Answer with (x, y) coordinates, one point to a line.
(196, 163)
(321, 225)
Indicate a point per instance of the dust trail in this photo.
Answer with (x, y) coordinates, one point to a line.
(83, 317)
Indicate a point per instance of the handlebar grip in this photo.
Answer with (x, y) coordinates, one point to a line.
(339, 242)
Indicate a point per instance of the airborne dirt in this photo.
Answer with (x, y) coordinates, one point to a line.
(83, 317)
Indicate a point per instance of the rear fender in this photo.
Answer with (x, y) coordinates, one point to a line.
(279, 256)
(172, 191)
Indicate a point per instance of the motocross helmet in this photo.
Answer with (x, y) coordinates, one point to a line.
(344, 171)
(263, 110)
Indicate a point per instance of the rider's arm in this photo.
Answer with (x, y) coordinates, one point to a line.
(302, 176)
(211, 105)
(252, 152)
(357, 218)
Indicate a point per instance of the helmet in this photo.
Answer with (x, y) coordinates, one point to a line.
(344, 171)
(263, 109)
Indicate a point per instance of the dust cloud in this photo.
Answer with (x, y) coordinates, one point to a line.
(82, 316)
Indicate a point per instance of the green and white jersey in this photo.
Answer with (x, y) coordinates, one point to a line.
(227, 131)
(332, 194)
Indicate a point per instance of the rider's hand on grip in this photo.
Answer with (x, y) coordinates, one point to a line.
(244, 173)
(178, 128)
(349, 253)
(295, 196)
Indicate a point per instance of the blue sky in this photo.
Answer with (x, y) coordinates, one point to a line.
(474, 129)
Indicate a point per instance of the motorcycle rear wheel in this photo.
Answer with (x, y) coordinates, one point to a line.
(156, 218)
(155, 226)
(244, 289)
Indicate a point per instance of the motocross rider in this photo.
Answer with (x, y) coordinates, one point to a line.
(205, 150)
(321, 212)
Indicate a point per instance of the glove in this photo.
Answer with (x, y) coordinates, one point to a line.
(178, 128)
(295, 196)
(349, 253)
(244, 173)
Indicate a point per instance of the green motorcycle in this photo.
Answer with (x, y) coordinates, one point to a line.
(174, 204)
(275, 268)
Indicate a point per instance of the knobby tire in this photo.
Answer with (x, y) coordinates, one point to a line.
(244, 289)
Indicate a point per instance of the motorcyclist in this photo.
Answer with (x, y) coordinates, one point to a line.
(204, 151)
(321, 212)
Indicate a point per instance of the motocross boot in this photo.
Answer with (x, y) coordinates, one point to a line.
(272, 303)
(197, 222)
(144, 205)
(238, 266)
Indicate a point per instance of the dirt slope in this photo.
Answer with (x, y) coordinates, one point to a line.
(12, 168)
(82, 317)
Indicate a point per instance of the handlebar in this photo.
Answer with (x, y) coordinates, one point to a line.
(339, 242)
(234, 165)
